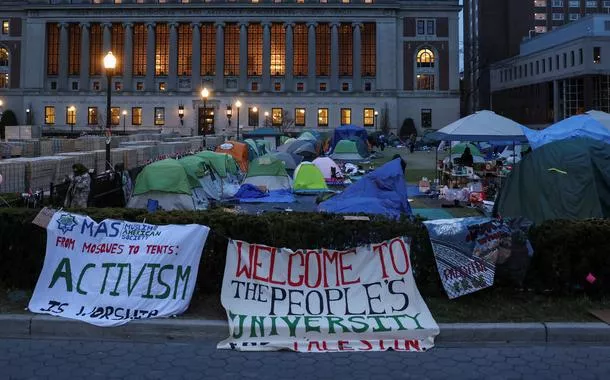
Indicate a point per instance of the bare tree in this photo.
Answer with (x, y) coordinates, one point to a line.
(287, 122)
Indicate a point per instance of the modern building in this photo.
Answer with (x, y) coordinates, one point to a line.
(557, 74)
(302, 63)
(551, 14)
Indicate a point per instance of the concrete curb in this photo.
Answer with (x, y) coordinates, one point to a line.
(27, 326)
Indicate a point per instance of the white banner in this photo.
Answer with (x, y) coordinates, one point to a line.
(110, 273)
(362, 299)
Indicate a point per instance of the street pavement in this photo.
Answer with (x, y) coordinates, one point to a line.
(86, 359)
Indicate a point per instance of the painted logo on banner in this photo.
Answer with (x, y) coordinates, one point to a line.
(112, 272)
(323, 300)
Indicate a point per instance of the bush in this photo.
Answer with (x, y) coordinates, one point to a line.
(565, 251)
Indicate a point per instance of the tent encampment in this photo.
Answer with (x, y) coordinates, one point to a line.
(222, 179)
(326, 166)
(572, 127)
(303, 148)
(308, 179)
(480, 126)
(567, 179)
(224, 164)
(291, 161)
(238, 150)
(268, 172)
(383, 191)
(349, 150)
(347, 132)
(252, 149)
(165, 182)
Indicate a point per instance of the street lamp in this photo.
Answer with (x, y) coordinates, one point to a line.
(204, 95)
(266, 118)
(181, 114)
(237, 105)
(229, 114)
(71, 118)
(255, 110)
(109, 66)
(124, 117)
(376, 115)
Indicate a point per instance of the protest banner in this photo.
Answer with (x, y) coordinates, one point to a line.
(324, 300)
(467, 251)
(112, 272)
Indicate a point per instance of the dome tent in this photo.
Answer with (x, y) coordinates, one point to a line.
(308, 179)
(238, 150)
(349, 150)
(326, 165)
(221, 180)
(268, 172)
(165, 182)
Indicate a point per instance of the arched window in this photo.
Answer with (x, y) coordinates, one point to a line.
(3, 57)
(4, 67)
(425, 70)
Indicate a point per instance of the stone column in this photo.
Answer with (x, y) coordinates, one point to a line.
(150, 58)
(243, 56)
(62, 82)
(311, 57)
(289, 57)
(196, 60)
(84, 57)
(266, 56)
(107, 38)
(334, 56)
(172, 77)
(357, 59)
(220, 57)
(128, 58)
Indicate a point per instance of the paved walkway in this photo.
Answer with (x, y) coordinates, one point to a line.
(72, 359)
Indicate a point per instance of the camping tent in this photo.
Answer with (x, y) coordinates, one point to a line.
(224, 164)
(575, 126)
(252, 149)
(221, 180)
(347, 150)
(326, 165)
(600, 116)
(480, 126)
(291, 161)
(204, 186)
(383, 191)
(165, 182)
(568, 179)
(308, 179)
(346, 132)
(304, 148)
(269, 172)
(238, 150)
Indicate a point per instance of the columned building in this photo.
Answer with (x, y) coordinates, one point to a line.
(291, 63)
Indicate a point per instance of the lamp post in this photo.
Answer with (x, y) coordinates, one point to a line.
(1, 107)
(237, 105)
(255, 110)
(266, 118)
(124, 117)
(181, 114)
(204, 95)
(71, 116)
(229, 114)
(109, 66)
(376, 115)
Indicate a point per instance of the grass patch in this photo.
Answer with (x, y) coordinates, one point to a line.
(414, 175)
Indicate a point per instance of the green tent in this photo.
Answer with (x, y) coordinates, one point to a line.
(459, 149)
(269, 172)
(166, 176)
(349, 150)
(307, 136)
(223, 164)
(568, 179)
(308, 178)
(194, 167)
(253, 151)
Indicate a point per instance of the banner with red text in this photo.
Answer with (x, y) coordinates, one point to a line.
(112, 272)
(324, 300)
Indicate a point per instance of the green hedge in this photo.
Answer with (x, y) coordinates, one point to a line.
(565, 251)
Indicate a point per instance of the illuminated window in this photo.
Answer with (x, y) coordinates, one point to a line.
(300, 47)
(74, 35)
(208, 50)
(299, 117)
(70, 115)
(253, 117)
(159, 115)
(425, 72)
(369, 50)
(92, 116)
(231, 50)
(322, 49)
(115, 115)
(322, 117)
(140, 39)
(185, 50)
(49, 115)
(368, 116)
(4, 68)
(345, 50)
(3, 58)
(52, 49)
(425, 82)
(161, 49)
(255, 49)
(96, 45)
(4, 82)
(118, 86)
(425, 58)
(277, 117)
(5, 27)
(346, 116)
(118, 46)
(278, 49)
(136, 116)
(162, 86)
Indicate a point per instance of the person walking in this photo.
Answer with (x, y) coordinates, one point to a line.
(80, 187)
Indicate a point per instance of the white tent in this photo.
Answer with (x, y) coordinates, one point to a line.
(481, 126)
(600, 116)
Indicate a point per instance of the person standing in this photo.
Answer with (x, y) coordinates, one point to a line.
(80, 187)
(412, 141)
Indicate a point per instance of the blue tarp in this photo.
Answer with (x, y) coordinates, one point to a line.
(575, 126)
(345, 132)
(274, 196)
(249, 191)
(383, 191)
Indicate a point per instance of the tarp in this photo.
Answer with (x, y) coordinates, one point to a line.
(383, 191)
(480, 126)
(575, 126)
(568, 179)
(238, 150)
(250, 191)
(308, 178)
(600, 116)
(166, 176)
(223, 163)
(273, 196)
(263, 132)
(345, 132)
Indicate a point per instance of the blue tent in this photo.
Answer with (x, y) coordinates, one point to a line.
(345, 132)
(575, 126)
(383, 191)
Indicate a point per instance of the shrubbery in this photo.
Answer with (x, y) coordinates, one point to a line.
(566, 251)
